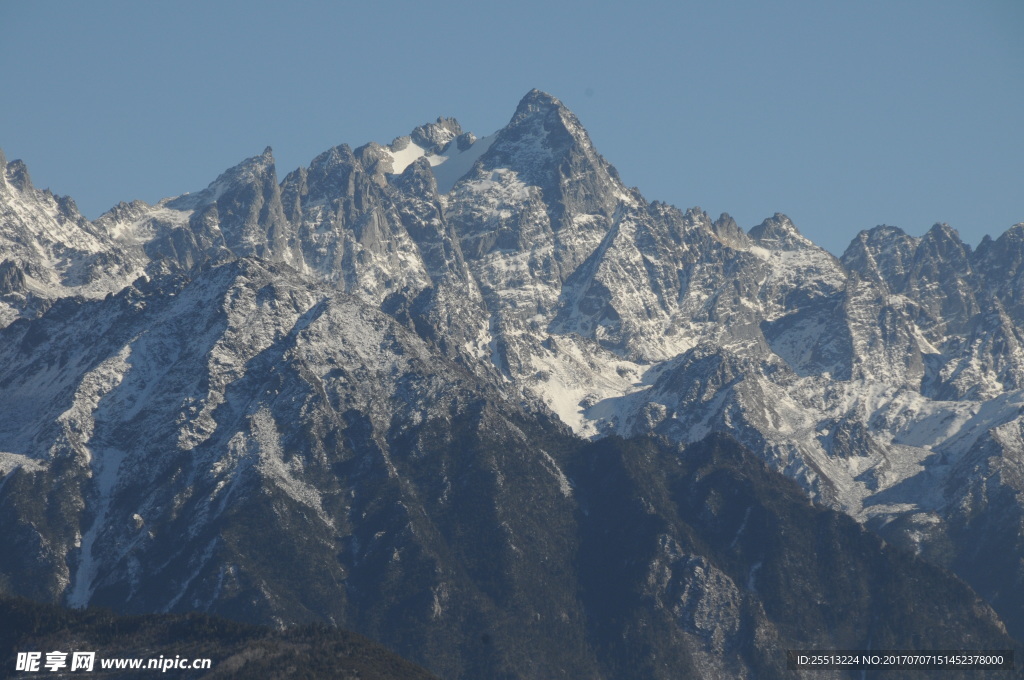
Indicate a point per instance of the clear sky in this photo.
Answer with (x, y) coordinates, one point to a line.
(842, 115)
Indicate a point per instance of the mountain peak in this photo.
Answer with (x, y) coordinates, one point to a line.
(1009, 244)
(942, 231)
(433, 137)
(541, 130)
(779, 231)
(728, 231)
(1016, 232)
(17, 174)
(250, 168)
(536, 101)
(882, 232)
(255, 170)
(943, 242)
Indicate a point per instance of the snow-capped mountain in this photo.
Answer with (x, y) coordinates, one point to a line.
(375, 364)
(48, 250)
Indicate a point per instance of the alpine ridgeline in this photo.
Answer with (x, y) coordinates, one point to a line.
(362, 395)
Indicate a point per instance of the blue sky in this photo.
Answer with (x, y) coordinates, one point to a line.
(842, 115)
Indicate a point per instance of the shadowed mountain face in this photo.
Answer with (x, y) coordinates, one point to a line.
(356, 396)
(233, 650)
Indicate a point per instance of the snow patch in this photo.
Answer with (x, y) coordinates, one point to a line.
(105, 471)
(407, 155)
(752, 577)
(582, 384)
(563, 482)
(451, 168)
(266, 440)
(12, 461)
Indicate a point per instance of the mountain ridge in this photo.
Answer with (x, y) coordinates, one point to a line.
(292, 335)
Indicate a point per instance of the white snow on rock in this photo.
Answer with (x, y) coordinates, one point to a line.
(455, 163)
(618, 316)
(404, 152)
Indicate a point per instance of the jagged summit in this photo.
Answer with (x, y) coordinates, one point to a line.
(729, 232)
(880, 253)
(880, 234)
(17, 173)
(434, 137)
(548, 120)
(942, 232)
(942, 246)
(255, 169)
(536, 102)
(347, 396)
(1009, 242)
(779, 231)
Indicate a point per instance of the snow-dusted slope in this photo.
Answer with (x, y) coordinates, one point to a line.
(48, 250)
(888, 383)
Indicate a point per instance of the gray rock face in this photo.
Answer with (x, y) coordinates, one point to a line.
(12, 279)
(376, 362)
(241, 211)
(434, 137)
